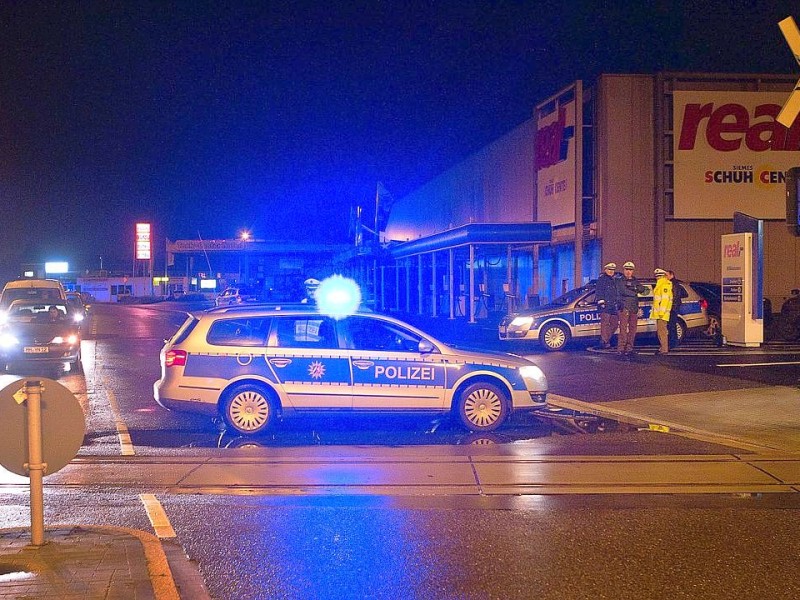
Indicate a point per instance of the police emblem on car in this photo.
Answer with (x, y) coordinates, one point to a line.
(254, 364)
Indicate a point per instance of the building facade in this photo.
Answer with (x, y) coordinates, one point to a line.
(648, 168)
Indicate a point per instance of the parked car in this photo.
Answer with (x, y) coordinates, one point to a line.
(253, 364)
(40, 333)
(575, 315)
(43, 290)
(711, 293)
(236, 295)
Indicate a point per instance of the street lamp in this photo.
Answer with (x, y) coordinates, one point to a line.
(244, 235)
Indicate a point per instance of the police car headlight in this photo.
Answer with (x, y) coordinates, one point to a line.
(521, 323)
(533, 373)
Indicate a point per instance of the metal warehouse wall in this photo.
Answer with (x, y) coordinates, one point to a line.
(494, 185)
(624, 174)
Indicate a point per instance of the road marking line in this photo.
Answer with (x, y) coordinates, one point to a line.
(157, 515)
(761, 364)
(126, 446)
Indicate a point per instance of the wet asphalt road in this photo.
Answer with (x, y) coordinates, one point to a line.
(344, 547)
(121, 362)
(721, 546)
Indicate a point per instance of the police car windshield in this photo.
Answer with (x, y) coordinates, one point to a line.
(570, 297)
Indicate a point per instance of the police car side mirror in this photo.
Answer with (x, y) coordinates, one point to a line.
(425, 347)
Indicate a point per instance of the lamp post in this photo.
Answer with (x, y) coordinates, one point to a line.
(244, 235)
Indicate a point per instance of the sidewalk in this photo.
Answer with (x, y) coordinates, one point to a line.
(92, 562)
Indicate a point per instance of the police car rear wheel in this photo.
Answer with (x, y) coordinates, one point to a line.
(248, 409)
(680, 330)
(482, 407)
(554, 337)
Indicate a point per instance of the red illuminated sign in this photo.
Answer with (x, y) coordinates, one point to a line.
(143, 243)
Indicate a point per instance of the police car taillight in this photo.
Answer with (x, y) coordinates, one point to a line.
(703, 303)
(175, 358)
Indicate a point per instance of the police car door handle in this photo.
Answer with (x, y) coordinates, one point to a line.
(363, 364)
(280, 362)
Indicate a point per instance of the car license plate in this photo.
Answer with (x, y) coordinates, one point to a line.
(36, 350)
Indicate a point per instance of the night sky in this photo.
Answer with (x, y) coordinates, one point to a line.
(209, 117)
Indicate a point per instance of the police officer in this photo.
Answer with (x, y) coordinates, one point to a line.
(628, 288)
(310, 285)
(607, 303)
(662, 306)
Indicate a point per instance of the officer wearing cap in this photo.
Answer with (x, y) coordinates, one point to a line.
(607, 303)
(310, 286)
(662, 306)
(628, 288)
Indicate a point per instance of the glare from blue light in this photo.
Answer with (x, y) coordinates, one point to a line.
(338, 296)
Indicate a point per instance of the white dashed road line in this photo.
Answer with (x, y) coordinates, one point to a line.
(158, 518)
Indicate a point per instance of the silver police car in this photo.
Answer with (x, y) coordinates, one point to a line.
(575, 315)
(255, 364)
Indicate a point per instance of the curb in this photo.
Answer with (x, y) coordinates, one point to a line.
(657, 425)
(157, 565)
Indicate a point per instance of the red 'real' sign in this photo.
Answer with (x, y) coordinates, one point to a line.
(728, 127)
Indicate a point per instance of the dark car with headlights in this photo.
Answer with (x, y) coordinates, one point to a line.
(79, 310)
(39, 333)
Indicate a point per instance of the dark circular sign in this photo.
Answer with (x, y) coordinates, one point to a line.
(63, 424)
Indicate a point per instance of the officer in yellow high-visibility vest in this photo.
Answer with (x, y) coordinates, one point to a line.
(662, 305)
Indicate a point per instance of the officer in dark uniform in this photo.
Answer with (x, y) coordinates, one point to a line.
(678, 294)
(629, 289)
(607, 303)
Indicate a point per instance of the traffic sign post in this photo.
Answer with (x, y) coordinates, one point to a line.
(44, 429)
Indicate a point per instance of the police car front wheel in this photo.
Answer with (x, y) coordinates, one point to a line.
(248, 409)
(482, 407)
(554, 337)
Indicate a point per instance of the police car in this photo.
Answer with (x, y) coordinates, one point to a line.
(255, 364)
(575, 315)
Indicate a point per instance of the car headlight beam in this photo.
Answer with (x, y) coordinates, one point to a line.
(533, 373)
(521, 322)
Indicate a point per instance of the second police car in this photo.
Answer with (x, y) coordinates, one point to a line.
(575, 315)
(254, 364)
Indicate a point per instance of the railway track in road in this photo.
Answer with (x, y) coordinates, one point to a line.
(432, 471)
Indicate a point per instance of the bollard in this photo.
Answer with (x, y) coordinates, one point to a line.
(33, 391)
